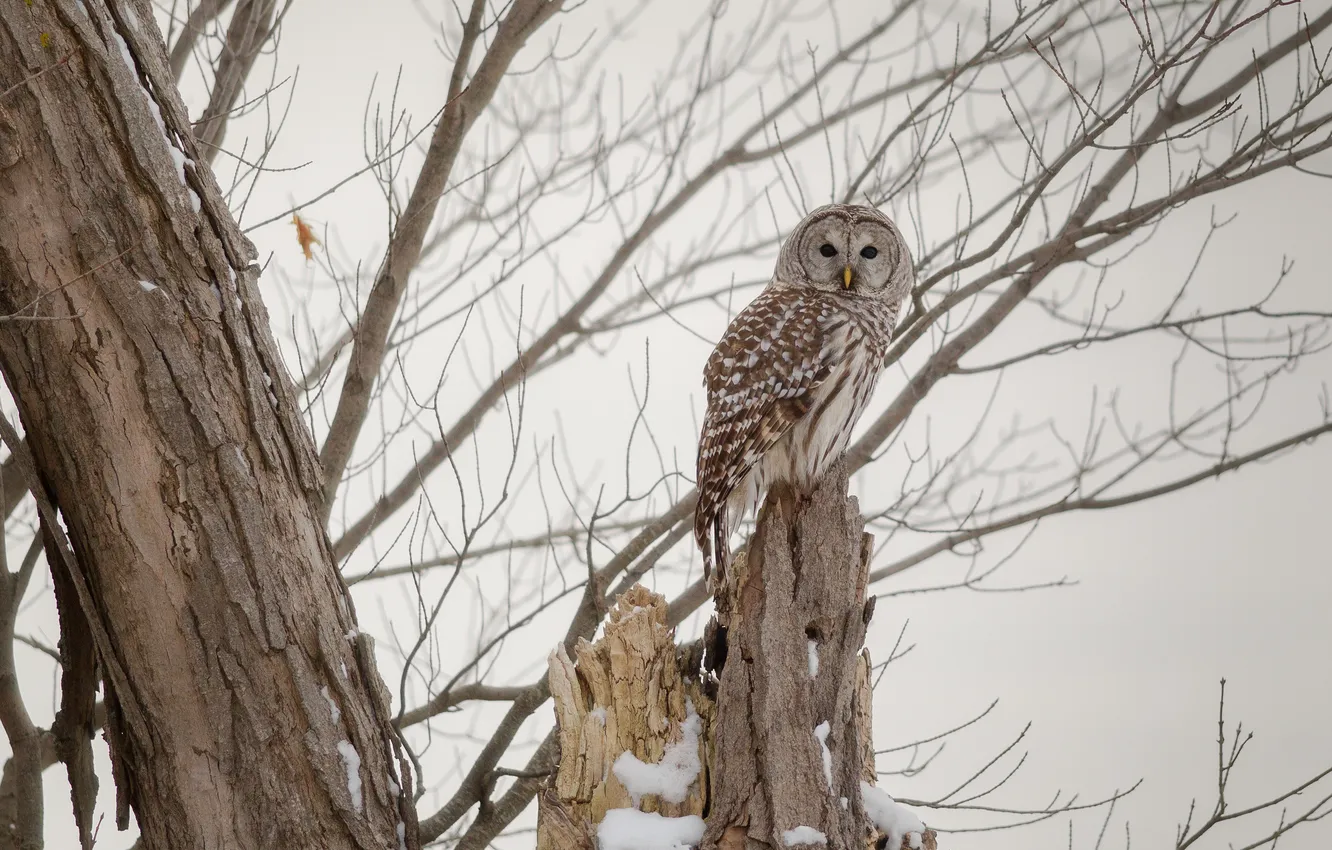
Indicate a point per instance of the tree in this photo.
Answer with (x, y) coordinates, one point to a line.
(542, 216)
(162, 436)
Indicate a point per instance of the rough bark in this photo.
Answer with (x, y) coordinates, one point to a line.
(629, 692)
(803, 581)
(74, 725)
(164, 430)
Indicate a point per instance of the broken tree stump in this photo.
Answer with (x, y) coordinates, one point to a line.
(783, 757)
(626, 694)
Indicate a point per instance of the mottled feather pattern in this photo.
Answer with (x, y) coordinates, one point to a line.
(786, 368)
(759, 381)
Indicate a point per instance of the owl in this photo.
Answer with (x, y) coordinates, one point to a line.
(795, 369)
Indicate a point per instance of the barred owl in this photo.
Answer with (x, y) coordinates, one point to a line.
(796, 367)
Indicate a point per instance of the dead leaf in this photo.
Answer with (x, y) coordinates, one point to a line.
(304, 235)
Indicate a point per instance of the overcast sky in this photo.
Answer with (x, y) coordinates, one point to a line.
(1118, 672)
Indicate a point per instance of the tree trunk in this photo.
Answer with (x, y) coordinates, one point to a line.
(243, 708)
(794, 754)
(786, 727)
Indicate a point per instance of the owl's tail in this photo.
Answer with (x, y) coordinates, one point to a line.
(712, 536)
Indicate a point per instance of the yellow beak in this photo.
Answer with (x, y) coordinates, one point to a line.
(846, 277)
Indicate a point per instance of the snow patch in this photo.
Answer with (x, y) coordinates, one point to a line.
(147, 285)
(352, 634)
(821, 733)
(402, 836)
(352, 761)
(813, 659)
(157, 116)
(177, 156)
(148, 96)
(195, 203)
(630, 829)
(599, 713)
(179, 159)
(893, 818)
(125, 54)
(671, 777)
(803, 835)
(332, 706)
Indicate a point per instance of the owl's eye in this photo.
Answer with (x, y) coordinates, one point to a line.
(869, 252)
(827, 250)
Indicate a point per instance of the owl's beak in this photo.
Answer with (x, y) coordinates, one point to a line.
(846, 277)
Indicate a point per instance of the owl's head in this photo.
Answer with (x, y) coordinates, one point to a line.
(852, 249)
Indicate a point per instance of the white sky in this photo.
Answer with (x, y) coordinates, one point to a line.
(1117, 674)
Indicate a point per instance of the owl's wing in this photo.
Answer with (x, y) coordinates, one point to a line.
(760, 380)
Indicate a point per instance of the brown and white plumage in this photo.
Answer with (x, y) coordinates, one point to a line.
(796, 368)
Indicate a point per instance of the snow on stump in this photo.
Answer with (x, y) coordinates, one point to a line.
(632, 771)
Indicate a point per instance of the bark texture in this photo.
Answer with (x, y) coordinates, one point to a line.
(630, 692)
(243, 709)
(786, 724)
